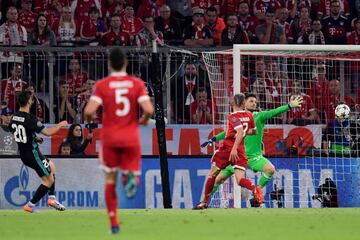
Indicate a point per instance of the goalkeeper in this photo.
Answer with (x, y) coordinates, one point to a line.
(253, 143)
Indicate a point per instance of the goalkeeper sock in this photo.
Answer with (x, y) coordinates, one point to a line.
(111, 203)
(265, 178)
(209, 185)
(215, 188)
(246, 183)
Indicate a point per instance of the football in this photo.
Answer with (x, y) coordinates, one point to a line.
(342, 111)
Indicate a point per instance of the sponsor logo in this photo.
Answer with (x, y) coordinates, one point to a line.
(17, 194)
(8, 140)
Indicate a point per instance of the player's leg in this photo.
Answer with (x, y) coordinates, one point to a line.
(239, 171)
(42, 168)
(209, 185)
(52, 188)
(130, 165)
(262, 164)
(221, 178)
(219, 161)
(111, 200)
(52, 202)
(268, 171)
(248, 184)
(109, 158)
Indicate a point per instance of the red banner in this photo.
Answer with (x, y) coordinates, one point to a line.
(186, 139)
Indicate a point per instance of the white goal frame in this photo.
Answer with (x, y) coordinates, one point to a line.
(253, 49)
(343, 54)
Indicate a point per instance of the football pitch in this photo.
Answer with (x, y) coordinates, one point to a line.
(259, 224)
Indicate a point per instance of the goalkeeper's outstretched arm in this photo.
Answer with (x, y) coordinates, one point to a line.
(294, 103)
(217, 138)
(265, 115)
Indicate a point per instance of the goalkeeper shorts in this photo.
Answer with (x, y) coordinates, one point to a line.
(257, 163)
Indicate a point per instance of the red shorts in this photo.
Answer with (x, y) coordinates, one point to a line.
(221, 160)
(124, 158)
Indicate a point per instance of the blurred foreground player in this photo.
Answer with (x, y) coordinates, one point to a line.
(120, 95)
(24, 127)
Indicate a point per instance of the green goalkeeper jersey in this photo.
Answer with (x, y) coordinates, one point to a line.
(253, 143)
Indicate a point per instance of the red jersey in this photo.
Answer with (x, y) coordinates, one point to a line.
(229, 6)
(303, 111)
(53, 16)
(27, 19)
(262, 6)
(89, 28)
(63, 3)
(235, 121)
(244, 81)
(131, 26)
(204, 4)
(108, 10)
(120, 95)
(290, 4)
(149, 8)
(318, 92)
(45, 5)
(40, 5)
(353, 38)
(324, 7)
(9, 88)
(113, 39)
(82, 9)
(76, 82)
(249, 24)
(193, 110)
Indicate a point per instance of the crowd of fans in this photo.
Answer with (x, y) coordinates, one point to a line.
(184, 22)
(196, 23)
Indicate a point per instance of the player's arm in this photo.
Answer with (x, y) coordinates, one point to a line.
(54, 129)
(148, 111)
(91, 108)
(239, 137)
(217, 138)
(294, 103)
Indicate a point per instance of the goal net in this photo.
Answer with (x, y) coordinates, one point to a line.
(315, 154)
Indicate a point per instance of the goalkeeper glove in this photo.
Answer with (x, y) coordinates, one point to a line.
(209, 142)
(296, 102)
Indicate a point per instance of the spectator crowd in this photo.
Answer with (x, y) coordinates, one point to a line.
(190, 23)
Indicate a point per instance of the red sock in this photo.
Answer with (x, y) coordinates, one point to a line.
(111, 203)
(246, 183)
(208, 188)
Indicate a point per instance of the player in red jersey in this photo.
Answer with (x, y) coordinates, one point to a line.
(120, 95)
(239, 124)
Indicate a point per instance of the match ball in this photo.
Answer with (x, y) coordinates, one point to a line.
(342, 111)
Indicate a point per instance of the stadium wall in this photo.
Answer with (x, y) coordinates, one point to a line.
(80, 182)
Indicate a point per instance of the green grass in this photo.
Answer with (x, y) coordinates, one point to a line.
(219, 224)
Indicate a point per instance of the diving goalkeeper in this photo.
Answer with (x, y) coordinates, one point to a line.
(253, 143)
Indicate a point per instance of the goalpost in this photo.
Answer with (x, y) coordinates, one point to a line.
(325, 75)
